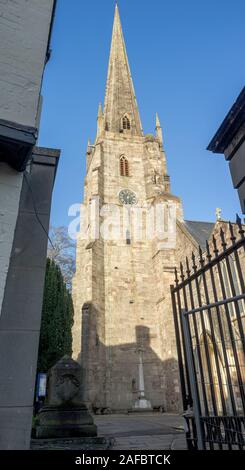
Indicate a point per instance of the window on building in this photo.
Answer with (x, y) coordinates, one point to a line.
(126, 123)
(128, 237)
(124, 166)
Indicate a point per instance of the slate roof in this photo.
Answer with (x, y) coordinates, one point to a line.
(200, 231)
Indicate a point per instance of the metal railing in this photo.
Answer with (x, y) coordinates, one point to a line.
(209, 314)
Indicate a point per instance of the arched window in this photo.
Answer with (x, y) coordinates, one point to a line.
(124, 166)
(126, 123)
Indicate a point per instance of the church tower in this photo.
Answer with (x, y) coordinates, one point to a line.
(123, 331)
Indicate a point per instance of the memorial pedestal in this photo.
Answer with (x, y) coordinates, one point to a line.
(64, 415)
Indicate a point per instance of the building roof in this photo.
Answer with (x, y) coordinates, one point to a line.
(200, 231)
(230, 126)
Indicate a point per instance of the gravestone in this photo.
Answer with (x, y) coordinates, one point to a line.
(64, 415)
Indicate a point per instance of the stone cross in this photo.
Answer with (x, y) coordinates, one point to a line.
(218, 214)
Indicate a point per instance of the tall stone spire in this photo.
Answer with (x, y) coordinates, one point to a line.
(120, 100)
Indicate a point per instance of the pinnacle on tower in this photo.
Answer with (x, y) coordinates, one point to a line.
(100, 121)
(158, 124)
(100, 111)
(121, 110)
(89, 147)
(159, 133)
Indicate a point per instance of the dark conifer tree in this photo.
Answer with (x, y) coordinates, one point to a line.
(57, 319)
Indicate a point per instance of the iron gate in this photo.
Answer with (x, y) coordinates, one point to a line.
(209, 314)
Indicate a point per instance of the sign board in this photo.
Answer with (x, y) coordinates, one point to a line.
(41, 386)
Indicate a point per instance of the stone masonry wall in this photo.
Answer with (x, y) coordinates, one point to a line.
(127, 286)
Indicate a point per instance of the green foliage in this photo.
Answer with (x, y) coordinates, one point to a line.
(150, 138)
(35, 422)
(57, 319)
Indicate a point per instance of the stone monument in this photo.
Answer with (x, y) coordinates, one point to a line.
(142, 404)
(64, 415)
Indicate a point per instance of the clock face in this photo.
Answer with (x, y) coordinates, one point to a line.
(127, 197)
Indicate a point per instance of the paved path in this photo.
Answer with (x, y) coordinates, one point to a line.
(148, 431)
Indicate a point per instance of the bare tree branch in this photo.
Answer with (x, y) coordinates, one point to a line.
(62, 252)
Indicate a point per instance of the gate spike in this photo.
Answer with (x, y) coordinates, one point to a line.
(209, 256)
(223, 241)
(188, 271)
(233, 238)
(194, 261)
(182, 271)
(200, 255)
(239, 223)
(238, 220)
(216, 251)
(176, 276)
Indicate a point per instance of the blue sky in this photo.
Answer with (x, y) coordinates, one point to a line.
(187, 60)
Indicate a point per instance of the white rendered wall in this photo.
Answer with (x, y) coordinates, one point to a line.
(10, 188)
(24, 32)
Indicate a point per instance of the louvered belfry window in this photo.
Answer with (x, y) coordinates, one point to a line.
(124, 166)
(126, 123)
